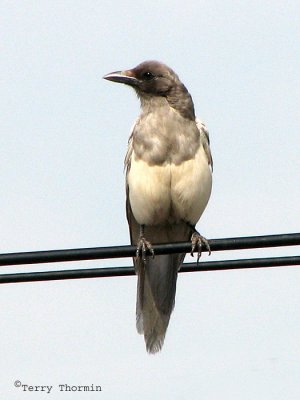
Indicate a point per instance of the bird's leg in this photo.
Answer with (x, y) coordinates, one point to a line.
(143, 245)
(197, 242)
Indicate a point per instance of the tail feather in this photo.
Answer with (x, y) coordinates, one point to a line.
(156, 297)
(157, 279)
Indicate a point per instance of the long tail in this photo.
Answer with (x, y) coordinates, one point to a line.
(156, 297)
(156, 287)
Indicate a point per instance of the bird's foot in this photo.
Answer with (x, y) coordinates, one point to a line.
(198, 241)
(142, 246)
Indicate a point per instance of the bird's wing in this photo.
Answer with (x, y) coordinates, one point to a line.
(204, 137)
(127, 159)
(133, 225)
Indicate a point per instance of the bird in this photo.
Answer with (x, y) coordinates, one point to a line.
(168, 184)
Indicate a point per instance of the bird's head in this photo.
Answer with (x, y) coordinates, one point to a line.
(152, 79)
(149, 77)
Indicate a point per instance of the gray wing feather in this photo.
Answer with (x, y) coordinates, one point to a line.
(204, 137)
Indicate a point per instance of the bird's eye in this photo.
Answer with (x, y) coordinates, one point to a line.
(148, 75)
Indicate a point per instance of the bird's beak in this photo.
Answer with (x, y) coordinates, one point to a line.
(126, 77)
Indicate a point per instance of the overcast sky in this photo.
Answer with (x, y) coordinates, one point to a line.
(64, 132)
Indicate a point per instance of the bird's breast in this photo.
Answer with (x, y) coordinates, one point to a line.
(164, 136)
(149, 191)
(170, 192)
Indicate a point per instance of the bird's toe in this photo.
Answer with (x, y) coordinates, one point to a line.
(198, 241)
(143, 246)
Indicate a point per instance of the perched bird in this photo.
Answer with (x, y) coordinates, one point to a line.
(168, 184)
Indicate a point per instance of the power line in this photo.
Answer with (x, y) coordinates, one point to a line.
(93, 253)
(129, 251)
(129, 271)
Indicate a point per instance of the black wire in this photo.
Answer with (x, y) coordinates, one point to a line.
(250, 242)
(35, 257)
(128, 271)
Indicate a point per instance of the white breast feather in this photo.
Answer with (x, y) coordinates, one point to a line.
(155, 191)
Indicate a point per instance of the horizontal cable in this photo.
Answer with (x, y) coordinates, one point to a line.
(128, 271)
(36, 257)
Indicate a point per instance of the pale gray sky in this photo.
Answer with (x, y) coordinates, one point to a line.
(64, 132)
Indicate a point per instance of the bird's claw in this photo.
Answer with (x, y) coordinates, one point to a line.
(142, 247)
(197, 242)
